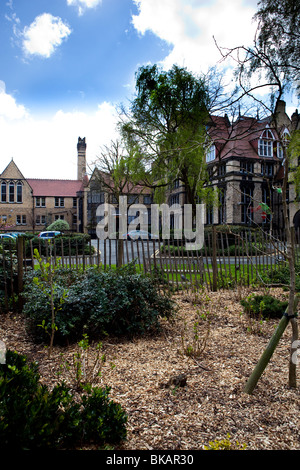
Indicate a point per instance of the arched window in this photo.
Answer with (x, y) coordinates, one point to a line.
(3, 192)
(11, 191)
(19, 192)
(285, 138)
(265, 144)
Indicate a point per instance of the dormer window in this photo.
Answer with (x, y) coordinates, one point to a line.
(284, 143)
(211, 153)
(265, 144)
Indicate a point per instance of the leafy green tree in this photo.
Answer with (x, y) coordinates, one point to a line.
(166, 127)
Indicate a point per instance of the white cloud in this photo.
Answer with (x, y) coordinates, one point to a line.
(82, 5)
(9, 109)
(44, 35)
(190, 25)
(46, 147)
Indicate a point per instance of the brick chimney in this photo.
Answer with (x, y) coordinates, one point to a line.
(81, 158)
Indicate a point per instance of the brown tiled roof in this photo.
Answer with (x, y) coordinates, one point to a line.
(50, 187)
(239, 139)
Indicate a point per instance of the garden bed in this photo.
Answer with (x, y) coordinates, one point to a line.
(211, 405)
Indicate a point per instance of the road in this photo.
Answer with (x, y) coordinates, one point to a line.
(137, 253)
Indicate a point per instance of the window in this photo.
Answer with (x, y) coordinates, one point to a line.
(147, 199)
(211, 153)
(133, 199)
(74, 201)
(40, 202)
(19, 192)
(21, 219)
(174, 199)
(222, 170)
(40, 220)
(246, 167)
(265, 144)
(113, 199)
(284, 141)
(59, 202)
(267, 169)
(59, 217)
(3, 192)
(11, 192)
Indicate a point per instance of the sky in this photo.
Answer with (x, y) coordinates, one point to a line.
(66, 66)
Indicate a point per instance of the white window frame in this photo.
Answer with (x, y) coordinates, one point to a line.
(265, 144)
(211, 153)
(284, 138)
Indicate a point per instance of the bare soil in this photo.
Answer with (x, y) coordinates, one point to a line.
(208, 404)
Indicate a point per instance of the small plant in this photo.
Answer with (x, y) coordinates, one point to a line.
(85, 368)
(48, 286)
(225, 444)
(193, 344)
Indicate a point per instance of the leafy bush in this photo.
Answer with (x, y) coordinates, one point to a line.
(32, 417)
(59, 225)
(265, 306)
(8, 272)
(282, 276)
(61, 245)
(95, 302)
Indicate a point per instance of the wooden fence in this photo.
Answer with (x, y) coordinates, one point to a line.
(226, 260)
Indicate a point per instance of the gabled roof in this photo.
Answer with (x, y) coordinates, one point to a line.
(239, 139)
(12, 171)
(55, 188)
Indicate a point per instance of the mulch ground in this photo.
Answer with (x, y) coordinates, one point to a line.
(208, 402)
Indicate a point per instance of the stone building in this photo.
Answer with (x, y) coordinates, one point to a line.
(244, 162)
(30, 204)
(100, 190)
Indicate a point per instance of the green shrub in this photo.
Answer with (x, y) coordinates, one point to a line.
(59, 225)
(116, 302)
(264, 306)
(281, 276)
(32, 417)
(67, 245)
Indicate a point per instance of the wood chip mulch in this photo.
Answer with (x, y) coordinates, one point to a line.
(180, 402)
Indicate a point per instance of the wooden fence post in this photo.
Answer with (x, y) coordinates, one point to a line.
(214, 259)
(20, 257)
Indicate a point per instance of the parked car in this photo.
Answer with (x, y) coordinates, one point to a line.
(7, 236)
(139, 235)
(48, 235)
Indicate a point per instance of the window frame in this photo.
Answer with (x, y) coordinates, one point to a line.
(210, 155)
(265, 144)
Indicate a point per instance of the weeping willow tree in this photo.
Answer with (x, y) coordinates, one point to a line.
(166, 127)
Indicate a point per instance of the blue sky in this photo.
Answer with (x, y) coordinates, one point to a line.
(66, 64)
